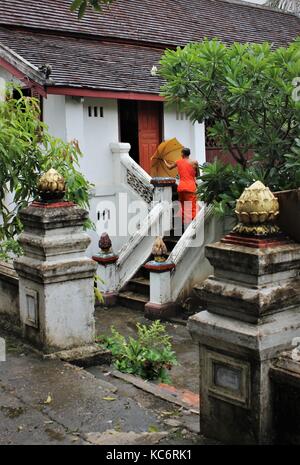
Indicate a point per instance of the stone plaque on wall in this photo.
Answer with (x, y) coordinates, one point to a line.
(32, 318)
(229, 378)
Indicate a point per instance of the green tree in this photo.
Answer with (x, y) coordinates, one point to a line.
(26, 151)
(247, 92)
(81, 5)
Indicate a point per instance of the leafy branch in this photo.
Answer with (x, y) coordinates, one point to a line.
(81, 6)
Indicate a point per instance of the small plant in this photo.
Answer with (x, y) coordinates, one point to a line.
(98, 294)
(150, 355)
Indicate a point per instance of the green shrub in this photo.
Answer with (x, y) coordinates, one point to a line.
(26, 151)
(222, 184)
(150, 355)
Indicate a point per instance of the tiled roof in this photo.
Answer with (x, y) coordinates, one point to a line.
(89, 63)
(116, 49)
(160, 21)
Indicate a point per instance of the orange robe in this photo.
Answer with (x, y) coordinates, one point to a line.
(187, 190)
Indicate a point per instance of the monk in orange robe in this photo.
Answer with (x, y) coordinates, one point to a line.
(188, 170)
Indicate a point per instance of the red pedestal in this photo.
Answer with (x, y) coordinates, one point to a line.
(61, 204)
(255, 242)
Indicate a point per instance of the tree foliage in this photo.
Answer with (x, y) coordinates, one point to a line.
(26, 151)
(246, 90)
(81, 5)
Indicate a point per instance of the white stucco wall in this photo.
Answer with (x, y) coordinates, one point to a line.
(99, 132)
(95, 134)
(54, 114)
(7, 76)
(190, 135)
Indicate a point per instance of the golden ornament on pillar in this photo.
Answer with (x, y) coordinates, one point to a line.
(51, 186)
(257, 210)
(159, 250)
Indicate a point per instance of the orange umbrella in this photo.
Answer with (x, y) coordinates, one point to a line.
(169, 150)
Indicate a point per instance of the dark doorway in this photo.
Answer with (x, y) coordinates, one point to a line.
(141, 126)
(128, 114)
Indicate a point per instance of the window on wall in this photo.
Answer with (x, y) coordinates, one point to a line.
(95, 112)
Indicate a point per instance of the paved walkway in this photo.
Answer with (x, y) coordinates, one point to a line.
(51, 402)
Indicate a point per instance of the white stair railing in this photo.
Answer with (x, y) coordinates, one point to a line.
(136, 251)
(129, 174)
(189, 253)
(132, 179)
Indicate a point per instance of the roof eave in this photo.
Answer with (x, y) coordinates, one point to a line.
(22, 69)
(103, 93)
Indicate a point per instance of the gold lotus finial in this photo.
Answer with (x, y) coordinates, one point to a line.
(257, 209)
(159, 250)
(51, 185)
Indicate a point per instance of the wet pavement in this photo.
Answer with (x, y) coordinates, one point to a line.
(52, 402)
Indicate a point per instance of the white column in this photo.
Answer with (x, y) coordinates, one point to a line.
(56, 279)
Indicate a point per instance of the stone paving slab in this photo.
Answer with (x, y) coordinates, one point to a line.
(20, 424)
(53, 402)
(79, 402)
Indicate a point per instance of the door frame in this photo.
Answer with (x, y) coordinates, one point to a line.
(160, 105)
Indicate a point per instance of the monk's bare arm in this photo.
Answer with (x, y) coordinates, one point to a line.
(170, 165)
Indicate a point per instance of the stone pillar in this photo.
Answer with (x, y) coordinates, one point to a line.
(160, 305)
(106, 270)
(55, 277)
(252, 313)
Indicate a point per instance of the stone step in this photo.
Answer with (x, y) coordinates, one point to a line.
(143, 272)
(139, 285)
(132, 300)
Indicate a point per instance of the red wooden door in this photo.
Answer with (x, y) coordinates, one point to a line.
(149, 120)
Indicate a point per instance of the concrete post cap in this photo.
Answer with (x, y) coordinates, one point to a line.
(157, 267)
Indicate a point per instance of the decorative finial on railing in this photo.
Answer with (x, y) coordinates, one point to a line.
(105, 243)
(51, 186)
(106, 255)
(257, 209)
(159, 250)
